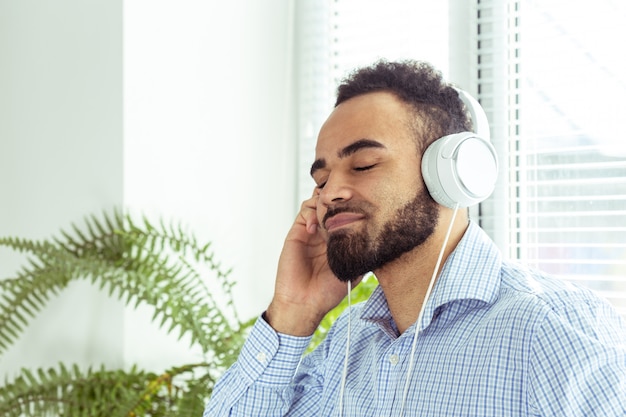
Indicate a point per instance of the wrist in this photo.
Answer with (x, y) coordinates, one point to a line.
(293, 320)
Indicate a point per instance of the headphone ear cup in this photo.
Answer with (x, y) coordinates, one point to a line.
(461, 169)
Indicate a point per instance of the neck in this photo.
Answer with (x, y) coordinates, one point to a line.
(405, 281)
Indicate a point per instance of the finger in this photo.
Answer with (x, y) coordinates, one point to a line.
(308, 211)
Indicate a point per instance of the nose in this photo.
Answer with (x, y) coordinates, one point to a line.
(335, 190)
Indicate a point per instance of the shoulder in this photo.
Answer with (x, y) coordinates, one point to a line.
(557, 303)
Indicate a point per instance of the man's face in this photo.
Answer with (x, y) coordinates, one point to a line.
(372, 201)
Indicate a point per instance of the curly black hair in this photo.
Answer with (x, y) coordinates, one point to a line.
(438, 109)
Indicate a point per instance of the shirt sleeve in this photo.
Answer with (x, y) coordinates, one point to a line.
(579, 362)
(259, 383)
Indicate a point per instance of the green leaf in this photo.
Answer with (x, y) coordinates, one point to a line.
(158, 264)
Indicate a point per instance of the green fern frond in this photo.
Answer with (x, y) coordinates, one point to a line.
(157, 264)
(179, 388)
(26, 294)
(139, 263)
(69, 392)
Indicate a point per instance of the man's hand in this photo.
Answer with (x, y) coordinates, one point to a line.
(306, 289)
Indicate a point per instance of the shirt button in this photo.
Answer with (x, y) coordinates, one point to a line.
(394, 359)
(261, 357)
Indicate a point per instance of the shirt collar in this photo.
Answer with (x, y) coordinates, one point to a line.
(471, 272)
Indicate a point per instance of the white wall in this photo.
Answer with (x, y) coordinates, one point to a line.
(180, 110)
(208, 136)
(60, 158)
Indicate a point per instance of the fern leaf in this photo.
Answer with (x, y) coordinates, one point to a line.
(161, 265)
(69, 392)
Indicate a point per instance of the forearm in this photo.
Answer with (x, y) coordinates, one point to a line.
(259, 383)
(235, 397)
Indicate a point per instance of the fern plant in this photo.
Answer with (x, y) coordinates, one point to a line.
(162, 266)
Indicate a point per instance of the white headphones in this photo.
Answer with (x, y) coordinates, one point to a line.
(462, 168)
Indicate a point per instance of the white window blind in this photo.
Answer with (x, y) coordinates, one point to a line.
(565, 90)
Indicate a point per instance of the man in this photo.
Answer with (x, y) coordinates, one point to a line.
(495, 339)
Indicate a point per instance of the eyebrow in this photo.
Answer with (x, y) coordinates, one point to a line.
(347, 151)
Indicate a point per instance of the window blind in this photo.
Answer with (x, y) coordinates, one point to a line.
(565, 100)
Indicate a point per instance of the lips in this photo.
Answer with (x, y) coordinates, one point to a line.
(341, 219)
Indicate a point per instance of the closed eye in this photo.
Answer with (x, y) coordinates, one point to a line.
(365, 168)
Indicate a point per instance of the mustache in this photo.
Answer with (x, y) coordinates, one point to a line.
(346, 208)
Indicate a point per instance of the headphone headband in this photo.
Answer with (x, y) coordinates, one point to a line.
(477, 114)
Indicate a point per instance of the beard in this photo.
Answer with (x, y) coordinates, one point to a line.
(353, 254)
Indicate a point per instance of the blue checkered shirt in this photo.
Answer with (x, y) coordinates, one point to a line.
(497, 340)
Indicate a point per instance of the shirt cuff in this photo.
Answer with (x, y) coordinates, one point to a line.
(269, 357)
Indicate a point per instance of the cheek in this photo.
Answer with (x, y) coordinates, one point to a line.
(398, 191)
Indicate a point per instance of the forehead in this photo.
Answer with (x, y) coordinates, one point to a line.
(379, 116)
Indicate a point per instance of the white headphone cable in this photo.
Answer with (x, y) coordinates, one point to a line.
(418, 321)
(421, 313)
(345, 361)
